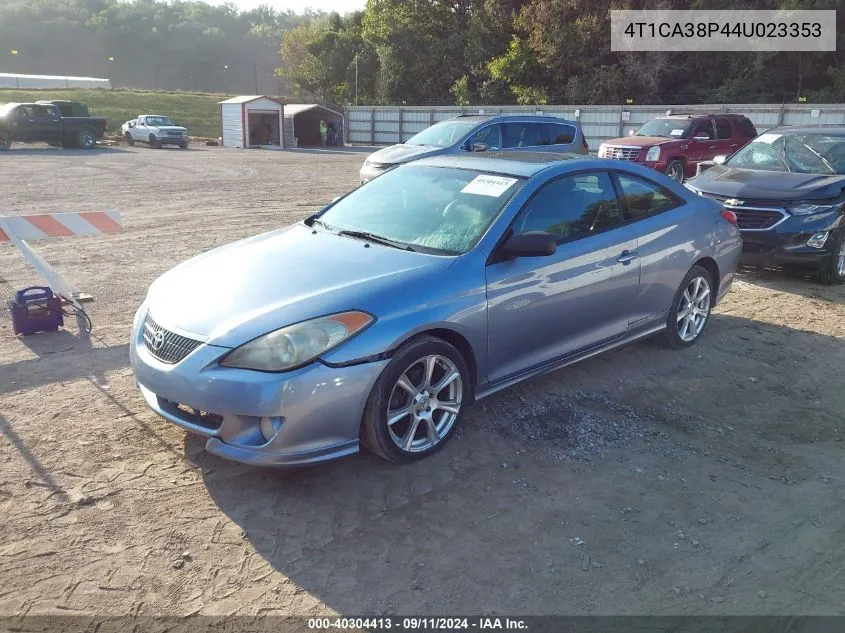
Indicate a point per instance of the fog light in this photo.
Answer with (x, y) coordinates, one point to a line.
(818, 240)
(269, 427)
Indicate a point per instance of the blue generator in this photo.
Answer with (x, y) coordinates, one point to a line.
(36, 309)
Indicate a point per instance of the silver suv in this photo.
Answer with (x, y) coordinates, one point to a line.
(479, 133)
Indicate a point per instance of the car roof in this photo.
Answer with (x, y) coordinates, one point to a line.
(807, 129)
(511, 163)
(727, 115)
(512, 117)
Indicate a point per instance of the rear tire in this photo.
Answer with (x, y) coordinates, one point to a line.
(426, 388)
(690, 310)
(833, 272)
(86, 139)
(675, 170)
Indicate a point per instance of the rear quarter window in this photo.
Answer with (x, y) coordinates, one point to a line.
(560, 134)
(746, 128)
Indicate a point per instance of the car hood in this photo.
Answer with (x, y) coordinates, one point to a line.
(639, 141)
(396, 154)
(237, 292)
(722, 180)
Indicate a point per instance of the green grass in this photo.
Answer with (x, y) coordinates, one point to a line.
(200, 113)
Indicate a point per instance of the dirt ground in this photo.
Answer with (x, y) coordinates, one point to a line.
(644, 481)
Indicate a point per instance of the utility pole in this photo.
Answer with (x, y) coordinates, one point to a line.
(356, 78)
(255, 74)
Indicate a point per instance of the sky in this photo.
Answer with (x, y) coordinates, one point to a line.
(341, 6)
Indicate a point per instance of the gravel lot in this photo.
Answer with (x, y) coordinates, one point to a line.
(644, 481)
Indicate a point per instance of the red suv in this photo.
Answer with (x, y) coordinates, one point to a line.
(676, 144)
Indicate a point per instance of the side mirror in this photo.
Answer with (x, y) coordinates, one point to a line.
(479, 147)
(701, 138)
(720, 159)
(531, 244)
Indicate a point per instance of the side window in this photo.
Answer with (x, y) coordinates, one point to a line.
(491, 136)
(703, 128)
(723, 128)
(641, 198)
(746, 128)
(572, 207)
(560, 134)
(524, 135)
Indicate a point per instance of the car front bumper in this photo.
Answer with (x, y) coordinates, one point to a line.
(786, 243)
(171, 140)
(319, 408)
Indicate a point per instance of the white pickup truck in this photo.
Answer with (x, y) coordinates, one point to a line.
(155, 129)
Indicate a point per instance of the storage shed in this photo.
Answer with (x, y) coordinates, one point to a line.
(302, 124)
(252, 121)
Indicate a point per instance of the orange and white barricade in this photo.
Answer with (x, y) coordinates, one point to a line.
(18, 229)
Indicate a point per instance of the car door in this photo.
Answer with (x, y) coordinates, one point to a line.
(139, 132)
(726, 141)
(524, 135)
(48, 124)
(659, 221)
(542, 309)
(489, 136)
(701, 150)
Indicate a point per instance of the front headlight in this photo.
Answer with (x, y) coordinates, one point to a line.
(602, 150)
(376, 165)
(653, 154)
(297, 345)
(809, 208)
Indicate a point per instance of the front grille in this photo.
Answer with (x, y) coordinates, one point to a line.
(757, 219)
(621, 153)
(165, 345)
(172, 133)
(753, 214)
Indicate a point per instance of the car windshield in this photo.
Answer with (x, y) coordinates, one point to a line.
(159, 120)
(442, 134)
(670, 128)
(429, 209)
(804, 153)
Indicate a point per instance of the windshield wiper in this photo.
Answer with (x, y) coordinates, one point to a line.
(821, 158)
(378, 239)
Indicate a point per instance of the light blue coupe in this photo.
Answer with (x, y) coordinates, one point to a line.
(380, 319)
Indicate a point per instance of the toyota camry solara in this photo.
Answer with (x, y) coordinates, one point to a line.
(381, 318)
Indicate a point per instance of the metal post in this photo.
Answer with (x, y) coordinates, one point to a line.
(255, 74)
(401, 117)
(621, 122)
(356, 78)
(373, 126)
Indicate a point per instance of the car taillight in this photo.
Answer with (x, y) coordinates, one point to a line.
(730, 216)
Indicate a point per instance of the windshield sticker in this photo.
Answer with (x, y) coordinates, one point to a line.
(677, 132)
(485, 185)
(768, 138)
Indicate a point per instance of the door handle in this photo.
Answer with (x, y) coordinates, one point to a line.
(712, 147)
(626, 257)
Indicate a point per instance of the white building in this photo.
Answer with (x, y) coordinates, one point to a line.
(252, 121)
(35, 82)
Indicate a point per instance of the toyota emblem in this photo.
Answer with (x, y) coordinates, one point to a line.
(158, 340)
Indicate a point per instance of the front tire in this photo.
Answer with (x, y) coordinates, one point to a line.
(833, 272)
(690, 309)
(5, 141)
(417, 402)
(129, 140)
(675, 170)
(154, 142)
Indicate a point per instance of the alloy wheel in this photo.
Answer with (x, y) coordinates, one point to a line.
(87, 141)
(840, 262)
(694, 309)
(424, 403)
(676, 172)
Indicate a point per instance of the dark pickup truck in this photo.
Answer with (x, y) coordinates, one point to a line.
(43, 123)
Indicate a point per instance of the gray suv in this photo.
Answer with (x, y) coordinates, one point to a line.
(479, 133)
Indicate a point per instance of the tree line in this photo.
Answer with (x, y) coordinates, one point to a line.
(405, 51)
